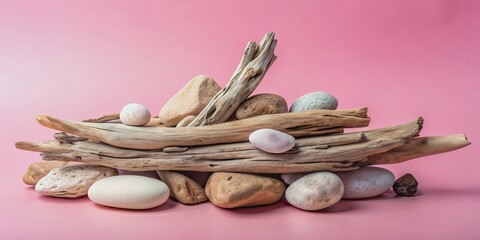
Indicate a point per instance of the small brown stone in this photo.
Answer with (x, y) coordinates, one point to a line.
(406, 185)
(187, 120)
(231, 190)
(182, 188)
(261, 104)
(38, 170)
(190, 100)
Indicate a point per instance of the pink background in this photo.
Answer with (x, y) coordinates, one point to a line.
(402, 59)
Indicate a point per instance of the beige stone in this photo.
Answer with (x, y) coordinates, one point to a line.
(261, 104)
(231, 190)
(182, 188)
(72, 181)
(38, 170)
(187, 120)
(190, 100)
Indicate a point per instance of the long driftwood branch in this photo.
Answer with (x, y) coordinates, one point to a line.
(333, 152)
(252, 68)
(419, 147)
(301, 124)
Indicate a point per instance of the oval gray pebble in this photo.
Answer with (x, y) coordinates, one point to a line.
(314, 100)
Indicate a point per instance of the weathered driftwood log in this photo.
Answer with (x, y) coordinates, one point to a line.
(256, 60)
(419, 147)
(301, 124)
(332, 153)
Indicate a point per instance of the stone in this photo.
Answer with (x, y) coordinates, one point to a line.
(135, 114)
(199, 177)
(289, 178)
(315, 191)
(129, 192)
(406, 185)
(261, 104)
(232, 190)
(272, 141)
(182, 188)
(38, 170)
(72, 181)
(366, 182)
(313, 101)
(190, 100)
(187, 120)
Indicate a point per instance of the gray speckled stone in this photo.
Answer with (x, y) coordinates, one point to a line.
(366, 182)
(314, 100)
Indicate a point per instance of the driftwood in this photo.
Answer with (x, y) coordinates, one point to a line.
(332, 153)
(419, 147)
(104, 118)
(301, 124)
(256, 60)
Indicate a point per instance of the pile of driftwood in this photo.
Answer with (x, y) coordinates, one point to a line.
(211, 144)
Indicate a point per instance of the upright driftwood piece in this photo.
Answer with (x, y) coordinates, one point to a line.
(255, 62)
(309, 123)
(333, 153)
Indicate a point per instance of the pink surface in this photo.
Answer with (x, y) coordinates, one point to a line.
(402, 59)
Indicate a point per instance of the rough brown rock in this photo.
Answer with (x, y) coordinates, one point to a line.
(182, 188)
(72, 181)
(261, 104)
(231, 190)
(187, 120)
(406, 185)
(190, 100)
(38, 170)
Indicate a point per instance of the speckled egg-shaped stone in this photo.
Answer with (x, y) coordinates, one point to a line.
(272, 141)
(314, 100)
(315, 191)
(366, 182)
(135, 114)
(129, 192)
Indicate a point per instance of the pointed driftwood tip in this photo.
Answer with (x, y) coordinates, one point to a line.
(42, 118)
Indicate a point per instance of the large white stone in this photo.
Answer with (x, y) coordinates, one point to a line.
(315, 191)
(129, 191)
(366, 182)
(272, 141)
(72, 181)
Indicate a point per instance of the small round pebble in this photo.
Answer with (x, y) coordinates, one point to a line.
(366, 182)
(272, 141)
(135, 114)
(129, 192)
(406, 185)
(313, 101)
(315, 191)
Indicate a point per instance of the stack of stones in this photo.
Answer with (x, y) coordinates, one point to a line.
(307, 191)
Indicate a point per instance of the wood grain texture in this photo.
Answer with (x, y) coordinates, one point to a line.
(301, 124)
(332, 153)
(256, 60)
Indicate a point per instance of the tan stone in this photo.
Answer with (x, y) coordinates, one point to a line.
(72, 181)
(231, 190)
(182, 188)
(199, 177)
(38, 170)
(190, 100)
(261, 104)
(187, 120)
